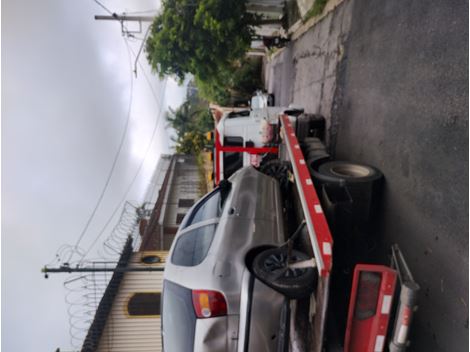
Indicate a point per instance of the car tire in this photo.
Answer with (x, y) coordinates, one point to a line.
(293, 283)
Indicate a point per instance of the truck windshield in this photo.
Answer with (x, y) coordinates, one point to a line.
(178, 318)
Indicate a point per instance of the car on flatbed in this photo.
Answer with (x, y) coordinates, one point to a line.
(212, 300)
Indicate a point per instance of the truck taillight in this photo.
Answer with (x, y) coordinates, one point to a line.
(208, 304)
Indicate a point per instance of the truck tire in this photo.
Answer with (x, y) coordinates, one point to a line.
(347, 172)
(310, 125)
(269, 267)
(279, 170)
(271, 100)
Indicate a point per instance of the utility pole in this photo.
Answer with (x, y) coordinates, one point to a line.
(125, 31)
(125, 18)
(118, 269)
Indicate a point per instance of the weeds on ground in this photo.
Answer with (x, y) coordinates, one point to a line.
(316, 9)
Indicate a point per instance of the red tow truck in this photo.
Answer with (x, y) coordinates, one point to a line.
(359, 306)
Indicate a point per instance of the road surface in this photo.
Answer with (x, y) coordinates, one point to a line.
(391, 77)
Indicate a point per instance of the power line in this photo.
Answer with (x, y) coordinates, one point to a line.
(157, 122)
(116, 157)
(160, 105)
(147, 79)
(140, 12)
(123, 199)
(140, 49)
(105, 8)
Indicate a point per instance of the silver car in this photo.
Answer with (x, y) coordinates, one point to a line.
(213, 298)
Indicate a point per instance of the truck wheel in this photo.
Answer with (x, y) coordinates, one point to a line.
(337, 171)
(310, 125)
(294, 111)
(279, 170)
(270, 267)
(271, 100)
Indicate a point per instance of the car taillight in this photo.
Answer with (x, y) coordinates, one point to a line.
(208, 304)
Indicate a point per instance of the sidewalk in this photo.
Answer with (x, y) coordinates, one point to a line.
(302, 26)
(304, 72)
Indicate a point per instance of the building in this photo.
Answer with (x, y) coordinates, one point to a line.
(179, 186)
(128, 315)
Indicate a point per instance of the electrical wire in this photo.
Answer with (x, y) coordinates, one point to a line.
(147, 79)
(116, 157)
(127, 191)
(105, 8)
(84, 290)
(140, 12)
(147, 32)
(157, 122)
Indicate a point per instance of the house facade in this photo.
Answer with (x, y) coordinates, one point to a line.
(128, 315)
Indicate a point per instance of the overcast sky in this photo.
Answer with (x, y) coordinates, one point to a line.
(65, 100)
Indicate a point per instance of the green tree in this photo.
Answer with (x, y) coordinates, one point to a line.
(202, 37)
(191, 142)
(191, 121)
(205, 38)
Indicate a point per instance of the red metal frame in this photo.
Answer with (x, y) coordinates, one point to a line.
(368, 335)
(319, 232)
(219, 148)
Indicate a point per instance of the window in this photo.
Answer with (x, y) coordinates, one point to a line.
(144, 304)
(185, 203)
(179, 218)
(243, 113)
(232, 160)
(151, 259)
(191, 248)
(230, 141)
(207, 208)
(178, 318)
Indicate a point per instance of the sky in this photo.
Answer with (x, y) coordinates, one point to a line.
(67, 91)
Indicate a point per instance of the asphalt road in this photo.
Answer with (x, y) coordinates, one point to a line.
(399, 101)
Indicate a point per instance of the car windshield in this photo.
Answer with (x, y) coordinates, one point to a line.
(178, 318)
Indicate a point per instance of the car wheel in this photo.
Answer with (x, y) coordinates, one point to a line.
(270, 266)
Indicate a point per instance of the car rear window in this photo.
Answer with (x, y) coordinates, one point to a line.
(191, 248)
(178, 318)
(208, 208)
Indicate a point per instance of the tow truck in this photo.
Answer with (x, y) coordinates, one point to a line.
(357, 306)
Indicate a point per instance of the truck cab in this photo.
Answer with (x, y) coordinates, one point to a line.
(244, 138)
